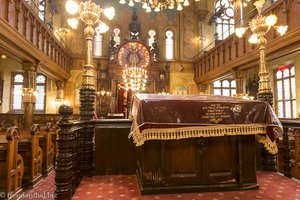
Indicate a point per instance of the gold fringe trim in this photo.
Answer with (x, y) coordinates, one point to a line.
(204, 131)
(196, 131)
(270, 146)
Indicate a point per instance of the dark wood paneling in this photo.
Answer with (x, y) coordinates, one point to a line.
(197, 164)
(115, 153)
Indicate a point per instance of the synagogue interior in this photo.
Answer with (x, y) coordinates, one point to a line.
(185, 96)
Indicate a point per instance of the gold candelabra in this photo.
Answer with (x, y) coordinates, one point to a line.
(259, 26)
(158, 5)
(89, 13)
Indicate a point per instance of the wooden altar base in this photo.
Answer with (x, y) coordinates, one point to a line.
(197, 165)
(149, 190)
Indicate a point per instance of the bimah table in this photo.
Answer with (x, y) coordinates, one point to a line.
(192, 143)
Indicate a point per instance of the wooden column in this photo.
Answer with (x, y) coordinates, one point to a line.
(63, 163)
(240, 82)
(60, 89)
(28, 89)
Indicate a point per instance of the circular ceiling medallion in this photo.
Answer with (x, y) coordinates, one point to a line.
(133, 53)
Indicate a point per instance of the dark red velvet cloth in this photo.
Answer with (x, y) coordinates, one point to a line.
(167, 111)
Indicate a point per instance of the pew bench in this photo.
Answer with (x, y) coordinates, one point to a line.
(46, 143)
(32, 155)
(11, 164)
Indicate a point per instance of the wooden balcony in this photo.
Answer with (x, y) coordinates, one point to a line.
(235, 53)
(24, 36)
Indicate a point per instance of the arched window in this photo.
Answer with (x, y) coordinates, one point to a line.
(225, 87)
(40, 93)
(151, 38)
(97, 48)
(225, 19)
(117, 37)
(286, 92)
(42, 9)
(169, 45)
(17, 86)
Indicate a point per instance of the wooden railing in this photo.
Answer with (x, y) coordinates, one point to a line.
(19, 17)
(9, 119)
(288, 149)
(234, 52)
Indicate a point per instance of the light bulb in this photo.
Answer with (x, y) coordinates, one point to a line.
(72, 7)
(145, 6)
(148, 9)
(253, 39)
(131, 3)
(271, 20)
(281, 29)
(122, 2)
(73, 23)
(179, 7)
(240, 32)
(186, 3)
(109, 12)
(171, 6)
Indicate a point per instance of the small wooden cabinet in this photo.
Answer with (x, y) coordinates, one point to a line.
(114, 153)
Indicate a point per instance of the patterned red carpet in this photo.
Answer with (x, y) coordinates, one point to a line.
(272, 186)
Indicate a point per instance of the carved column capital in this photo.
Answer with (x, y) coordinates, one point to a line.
(29, 66)
(202, 88)
(201, 14)
(60, 85)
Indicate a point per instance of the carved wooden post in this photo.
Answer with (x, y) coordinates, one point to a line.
(63, 164)
(31, 26)
(25, 20)
(286, 153)
(28, 96)
(17, 12)
(4, 9)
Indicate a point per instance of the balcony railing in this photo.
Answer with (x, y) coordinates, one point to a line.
(234, 52)
(19, 16)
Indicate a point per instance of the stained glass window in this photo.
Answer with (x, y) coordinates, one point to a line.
(151, 38)
(285, 92)
(225, 87)
(40, 93)
(225, 19)
(17, 92)
(169, 45)
(117, 37)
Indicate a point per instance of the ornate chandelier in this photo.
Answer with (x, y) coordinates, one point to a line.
(135, 78)
(158, 5)
(134, 56)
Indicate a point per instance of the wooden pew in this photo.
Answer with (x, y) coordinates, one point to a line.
(53, 139)
(45, 142)
(32, 155)
(295, 155)
(11, 164)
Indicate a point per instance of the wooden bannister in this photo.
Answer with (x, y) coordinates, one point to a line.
(68, 158)
(19, 17)
(289, 145)
(234, 52)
